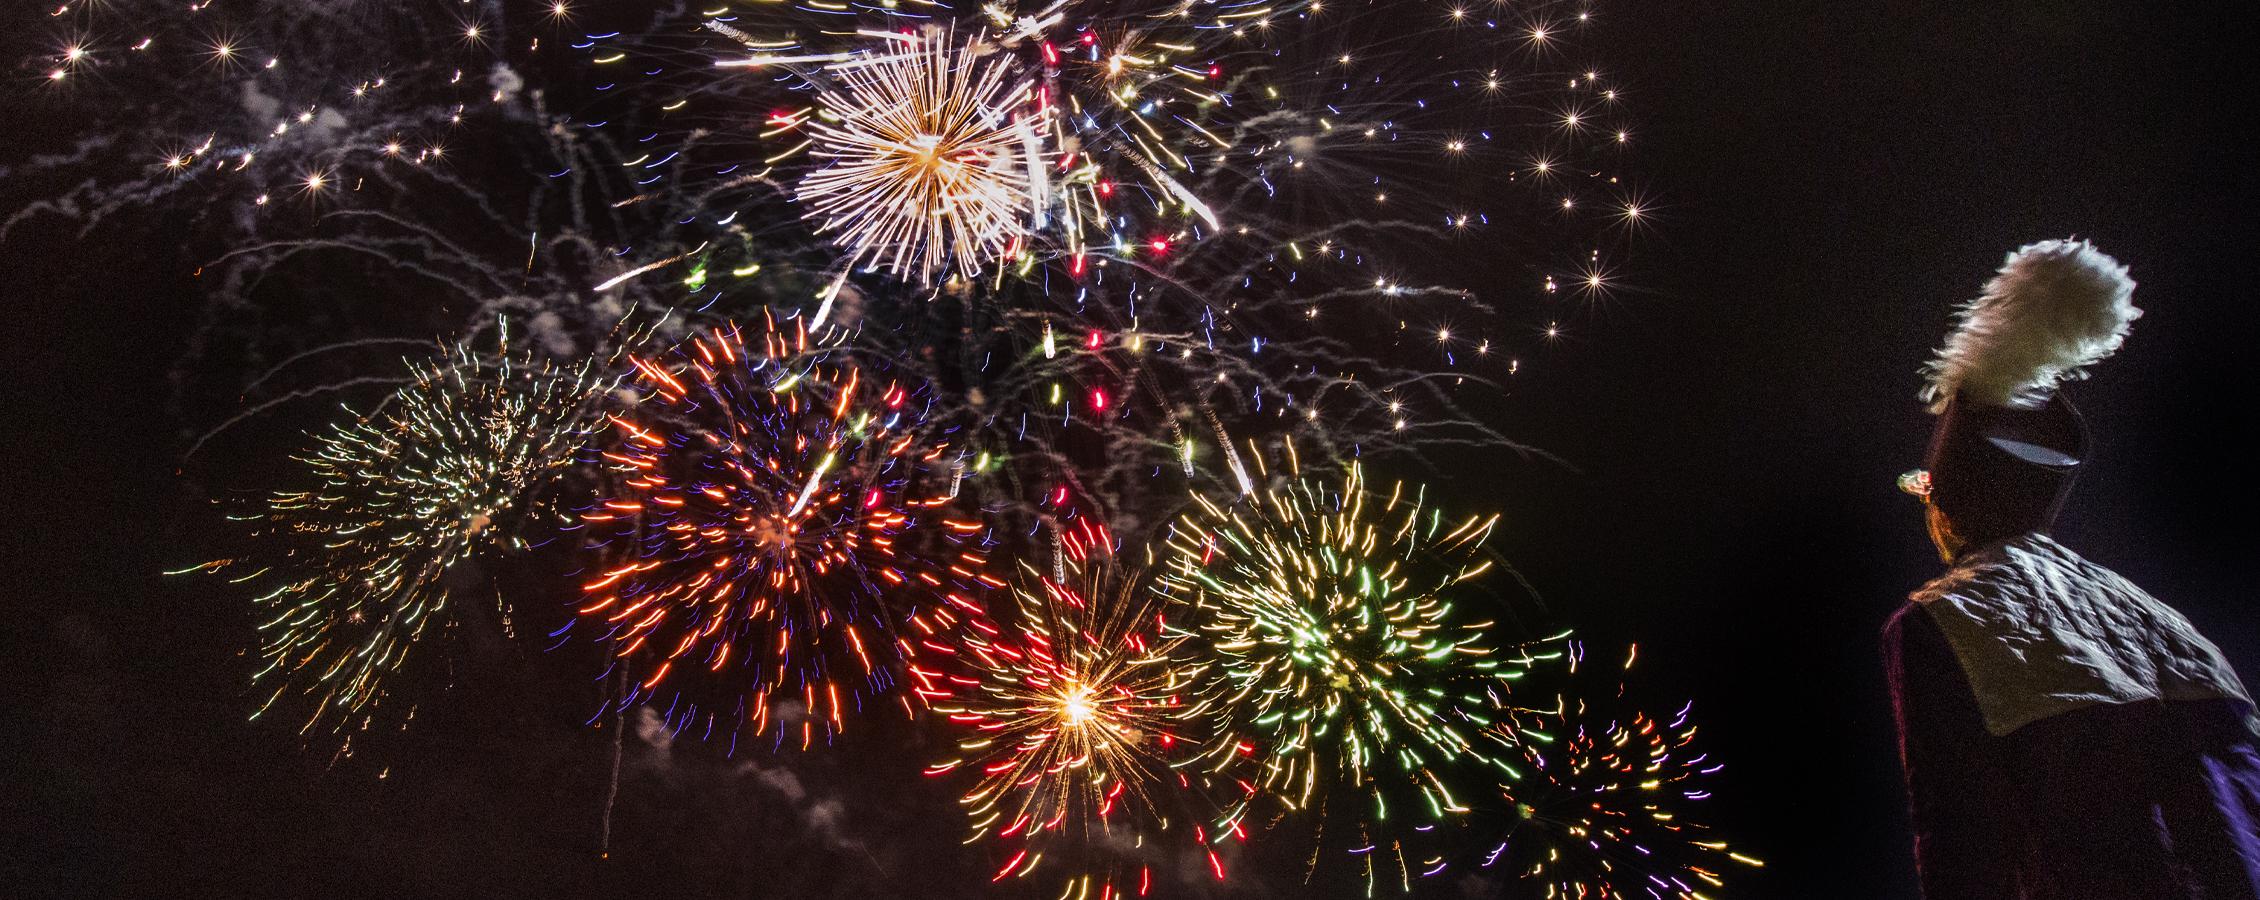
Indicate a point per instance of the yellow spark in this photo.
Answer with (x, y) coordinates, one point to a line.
(1075, 705)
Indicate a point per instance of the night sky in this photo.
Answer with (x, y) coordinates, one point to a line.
(1829, 180)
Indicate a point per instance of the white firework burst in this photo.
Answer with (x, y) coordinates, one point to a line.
(933, 158)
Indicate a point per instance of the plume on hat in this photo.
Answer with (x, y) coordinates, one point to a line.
(2054, 308)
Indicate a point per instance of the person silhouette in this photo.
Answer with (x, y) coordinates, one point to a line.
(2064, 734)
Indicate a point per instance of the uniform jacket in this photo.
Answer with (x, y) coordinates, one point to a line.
(2068, 737)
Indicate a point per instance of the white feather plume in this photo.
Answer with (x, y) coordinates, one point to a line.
(2054, 308)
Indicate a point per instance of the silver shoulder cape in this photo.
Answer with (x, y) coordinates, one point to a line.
(2041, 631)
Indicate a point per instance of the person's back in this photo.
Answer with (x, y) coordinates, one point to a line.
(2065, 735)
(2112, 754)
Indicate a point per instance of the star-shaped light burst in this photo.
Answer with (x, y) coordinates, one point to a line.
(934, 157)
(1073, 720)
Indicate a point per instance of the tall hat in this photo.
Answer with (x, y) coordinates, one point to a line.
(2008, 444)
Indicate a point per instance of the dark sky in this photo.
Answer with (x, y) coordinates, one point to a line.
(1830, 180)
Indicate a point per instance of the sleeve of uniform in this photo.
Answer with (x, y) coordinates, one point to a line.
(1953, 768)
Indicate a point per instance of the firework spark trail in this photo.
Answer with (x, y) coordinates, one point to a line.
(253, 110)
(1183, 123)
(1219, 206)
(326, 170)
(354, 572)
(781, 539)
(1072, 719)
(1104, 404)
(1330, 655)
(1111, 78)
(1603, 812)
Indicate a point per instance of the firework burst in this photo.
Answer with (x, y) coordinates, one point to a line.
(1179, 213)
(358, 570)
(930, 158)
(1326, 638)
(1074, 713)
(1083, 240)
(1602, 812)
(781, 523)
